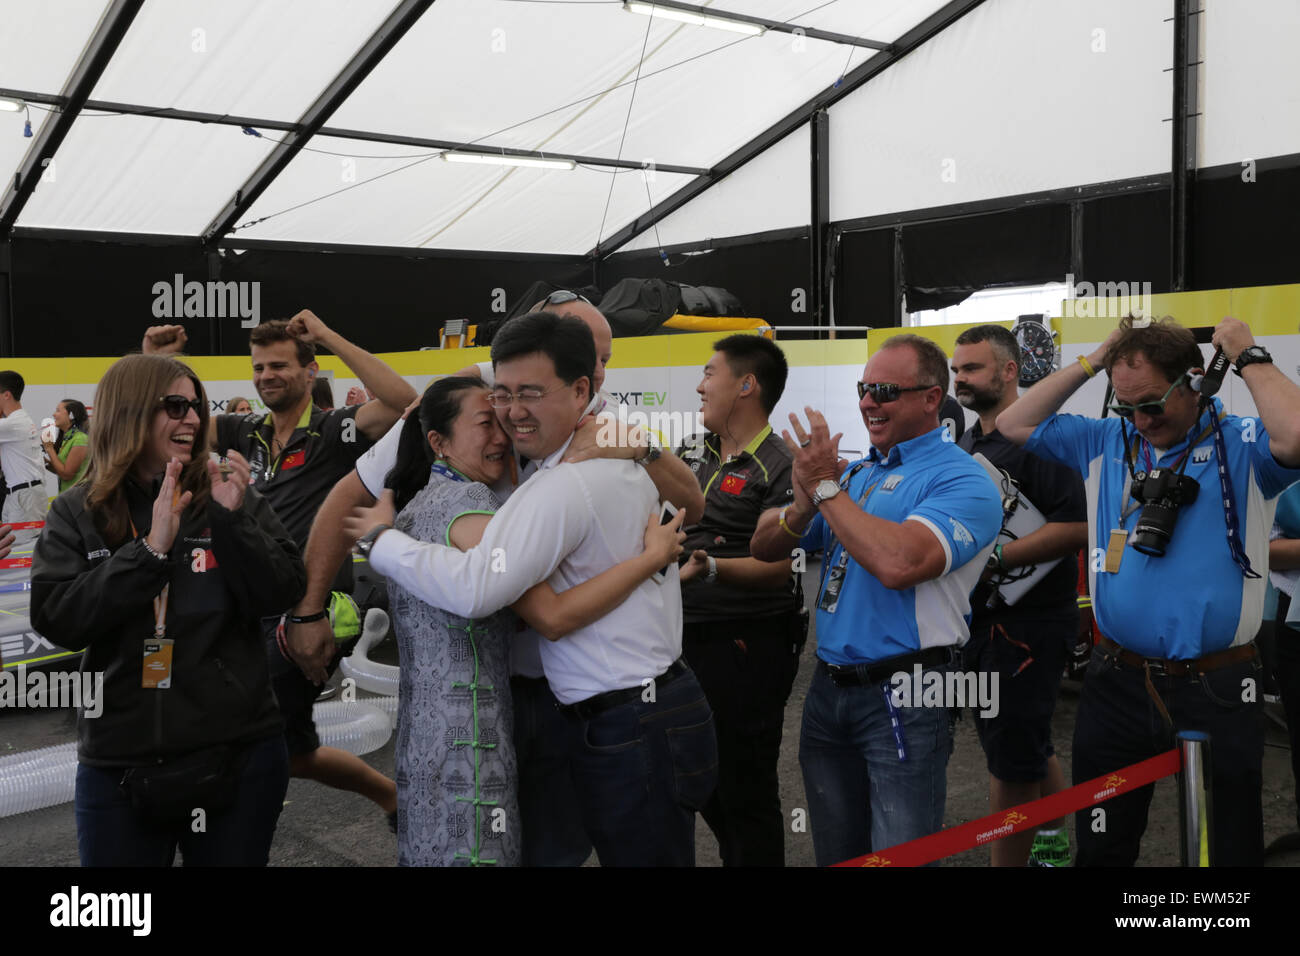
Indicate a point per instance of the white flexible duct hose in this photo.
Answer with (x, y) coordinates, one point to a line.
(376, 678)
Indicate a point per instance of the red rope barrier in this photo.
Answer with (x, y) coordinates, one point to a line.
(26, 525)
(16, 563)
(1026, 816)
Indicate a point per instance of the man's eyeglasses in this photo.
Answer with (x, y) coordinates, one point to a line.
(883, 393)
(1150, 409)
(564, 295)
(529, 395)
(177, 405)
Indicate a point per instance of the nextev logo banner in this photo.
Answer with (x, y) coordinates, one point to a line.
(76, 909)
(208, 300)
(21, 689)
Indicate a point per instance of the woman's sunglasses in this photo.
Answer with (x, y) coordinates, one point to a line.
(884, 393)
(1150, 409)
(177, 405)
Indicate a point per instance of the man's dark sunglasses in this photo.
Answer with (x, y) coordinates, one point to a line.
(176, 406)
(1150, 409)
(564, 295)
(883, 393)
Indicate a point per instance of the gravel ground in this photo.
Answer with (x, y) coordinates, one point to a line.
(324, 827)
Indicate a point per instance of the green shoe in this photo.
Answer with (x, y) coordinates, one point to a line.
(1050, 851)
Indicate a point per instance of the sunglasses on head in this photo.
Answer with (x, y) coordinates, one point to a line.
(564, 295)
(177, 405)
(883, 393)
(1150, 409)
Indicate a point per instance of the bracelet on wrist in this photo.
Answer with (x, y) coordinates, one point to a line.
(307, 618)
(785, 527)
(144, 542)
(1087, 366)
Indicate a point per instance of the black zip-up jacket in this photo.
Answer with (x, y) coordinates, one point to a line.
(227, 569)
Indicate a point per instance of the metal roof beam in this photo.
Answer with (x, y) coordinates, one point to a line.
(931, 26)
(404, 16)
(369, 136)
(779, 26)
(81, 82)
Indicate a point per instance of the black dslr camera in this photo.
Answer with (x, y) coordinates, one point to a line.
(1163, 491)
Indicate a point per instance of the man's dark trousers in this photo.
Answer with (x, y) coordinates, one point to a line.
(746, 667)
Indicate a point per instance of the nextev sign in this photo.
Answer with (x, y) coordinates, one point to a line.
(208, 300)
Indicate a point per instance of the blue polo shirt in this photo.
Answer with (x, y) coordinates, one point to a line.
(1194, 600)
(925, 479)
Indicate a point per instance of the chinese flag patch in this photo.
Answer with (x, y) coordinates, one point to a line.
(734, 484)
(294, 460)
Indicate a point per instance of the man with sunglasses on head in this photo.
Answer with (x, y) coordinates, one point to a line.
(1176, 583)
(905, 534)
(297, 453)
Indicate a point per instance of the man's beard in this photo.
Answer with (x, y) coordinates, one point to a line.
(978, 400)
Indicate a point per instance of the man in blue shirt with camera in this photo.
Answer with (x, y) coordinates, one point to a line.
(1180, 502)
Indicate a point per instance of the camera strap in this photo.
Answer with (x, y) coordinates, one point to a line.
(1229, 502)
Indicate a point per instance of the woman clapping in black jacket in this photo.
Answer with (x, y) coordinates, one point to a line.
(161, 566)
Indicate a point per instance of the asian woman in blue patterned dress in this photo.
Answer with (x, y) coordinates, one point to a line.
(456, 770)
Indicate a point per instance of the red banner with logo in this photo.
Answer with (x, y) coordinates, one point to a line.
(1026, 816)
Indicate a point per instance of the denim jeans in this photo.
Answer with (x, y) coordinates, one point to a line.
(861, 796)
(1118, 723)
(548, 806)
(641, 771)
(111, 833)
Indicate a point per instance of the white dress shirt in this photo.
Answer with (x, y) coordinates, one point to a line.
(566, 524)
(20, 450)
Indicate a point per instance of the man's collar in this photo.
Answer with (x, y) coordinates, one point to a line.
(905, 449)
(303, 420)
(555, 457)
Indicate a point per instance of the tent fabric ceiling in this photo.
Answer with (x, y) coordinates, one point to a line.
(1014, 92)
(545, 76)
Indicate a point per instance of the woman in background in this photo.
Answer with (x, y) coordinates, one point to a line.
(71, 458)
(239, 406)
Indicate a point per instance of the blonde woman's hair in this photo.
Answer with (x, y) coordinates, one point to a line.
(126, 401)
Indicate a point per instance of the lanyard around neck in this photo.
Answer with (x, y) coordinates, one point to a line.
(160, 601)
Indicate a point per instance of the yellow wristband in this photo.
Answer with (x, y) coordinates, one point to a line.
(1087, 366)
(785, 527)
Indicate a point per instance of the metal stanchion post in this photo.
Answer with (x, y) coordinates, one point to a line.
(1194, 790)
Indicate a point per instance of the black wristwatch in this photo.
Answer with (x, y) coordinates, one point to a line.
(367, 540)
(1250, 356)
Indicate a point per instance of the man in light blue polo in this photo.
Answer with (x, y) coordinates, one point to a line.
(1176, 575)
(905, 533)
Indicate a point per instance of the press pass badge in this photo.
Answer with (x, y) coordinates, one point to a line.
(835, 580)
(1115, 550)
(157, 663)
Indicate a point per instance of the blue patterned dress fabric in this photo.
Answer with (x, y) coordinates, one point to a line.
(456, 772)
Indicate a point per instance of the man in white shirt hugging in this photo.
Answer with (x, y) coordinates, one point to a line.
(643, 748)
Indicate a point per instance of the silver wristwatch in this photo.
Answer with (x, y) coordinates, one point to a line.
(651, 455)
(825, 491)
(367, 540)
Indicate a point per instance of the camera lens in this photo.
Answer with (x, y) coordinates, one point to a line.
(1155, 528)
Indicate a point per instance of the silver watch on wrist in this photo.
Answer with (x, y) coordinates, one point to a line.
(652, 453)
(367, 540)
(825, 491)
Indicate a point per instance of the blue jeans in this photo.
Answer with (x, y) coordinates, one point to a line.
(861, 796)
(548, 806)
(641, 770)
(111, 833)
(1119, 724)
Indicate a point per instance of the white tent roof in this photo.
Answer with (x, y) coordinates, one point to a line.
(1012, 97)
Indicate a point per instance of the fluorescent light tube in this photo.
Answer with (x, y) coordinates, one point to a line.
(497, 159)
(695, 19)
